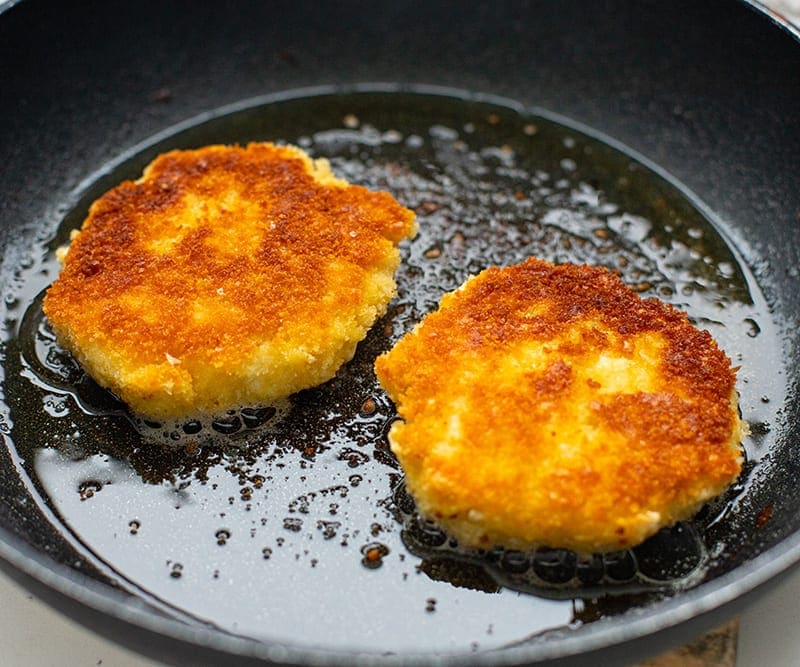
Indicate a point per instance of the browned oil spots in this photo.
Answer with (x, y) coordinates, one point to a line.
(765, 515)
(752, 329)
(373, 554)
(428, 207)
(293, 524)
(350, 121)
(329, 528)
(369, 407)
(353, 457)
(134, 526)
(88, 488)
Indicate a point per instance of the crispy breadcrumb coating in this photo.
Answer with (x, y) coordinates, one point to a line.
(551, 405)
(225, 276)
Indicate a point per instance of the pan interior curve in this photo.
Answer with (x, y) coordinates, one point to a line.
(271, 529)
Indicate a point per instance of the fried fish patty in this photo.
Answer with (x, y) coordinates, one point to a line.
(551, 405)
(225, 276)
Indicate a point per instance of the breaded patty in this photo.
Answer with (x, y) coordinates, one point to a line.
(225, 276)
(550, 405)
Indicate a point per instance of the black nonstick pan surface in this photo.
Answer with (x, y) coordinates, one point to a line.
(659, 139)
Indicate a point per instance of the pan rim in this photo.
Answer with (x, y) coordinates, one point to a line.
(711, 596)
(776, 18)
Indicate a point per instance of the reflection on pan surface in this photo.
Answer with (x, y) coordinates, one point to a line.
(269, 522)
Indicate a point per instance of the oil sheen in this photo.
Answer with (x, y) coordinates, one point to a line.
(290, 523)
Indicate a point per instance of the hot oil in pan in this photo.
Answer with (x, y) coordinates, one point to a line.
(294, 524)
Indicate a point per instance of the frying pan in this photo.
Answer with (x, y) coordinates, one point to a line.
(700, 98)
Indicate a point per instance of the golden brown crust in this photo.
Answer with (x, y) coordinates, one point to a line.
(551, 405)
(225, 264)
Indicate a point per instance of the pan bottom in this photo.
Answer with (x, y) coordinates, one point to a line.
(293, 526)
